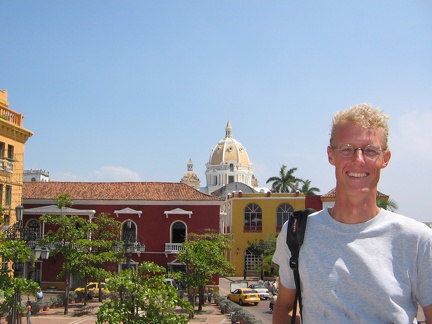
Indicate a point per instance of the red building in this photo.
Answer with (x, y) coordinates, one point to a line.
(161, 214)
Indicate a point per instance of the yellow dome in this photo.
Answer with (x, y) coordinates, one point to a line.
(230, 151)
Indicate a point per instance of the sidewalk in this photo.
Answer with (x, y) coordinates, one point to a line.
(210, 314)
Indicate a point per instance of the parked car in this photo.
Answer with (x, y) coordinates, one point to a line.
(262, 291)
(244, 296)
(93, 289)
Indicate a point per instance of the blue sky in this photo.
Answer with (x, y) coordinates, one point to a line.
(130, 90)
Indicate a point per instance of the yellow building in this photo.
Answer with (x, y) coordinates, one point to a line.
(12, 139)
(255, 216)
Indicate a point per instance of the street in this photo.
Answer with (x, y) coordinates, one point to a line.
(261, 311)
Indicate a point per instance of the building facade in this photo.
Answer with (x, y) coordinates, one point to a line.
(160, 214)
(252, 217)
(13, 137)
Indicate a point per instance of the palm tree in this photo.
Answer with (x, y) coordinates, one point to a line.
(388, 204)
(308, 190)
(285, 181)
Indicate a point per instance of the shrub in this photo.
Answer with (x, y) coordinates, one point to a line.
(241, 313)
(80, 294)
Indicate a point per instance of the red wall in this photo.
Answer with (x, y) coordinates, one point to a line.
(154, 229)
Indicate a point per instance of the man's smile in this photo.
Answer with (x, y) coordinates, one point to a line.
(357, 175)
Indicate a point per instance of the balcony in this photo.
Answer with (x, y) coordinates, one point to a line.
(173, 248)
(11, 116)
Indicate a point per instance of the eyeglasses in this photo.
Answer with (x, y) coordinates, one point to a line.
(369, 151)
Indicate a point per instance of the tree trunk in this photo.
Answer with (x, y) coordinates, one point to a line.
(201, 297)
(66, 302)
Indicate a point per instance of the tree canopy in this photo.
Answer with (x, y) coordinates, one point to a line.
(307, 190)
(84, 245)
(145, 298)
(286, 181)
(204, 256)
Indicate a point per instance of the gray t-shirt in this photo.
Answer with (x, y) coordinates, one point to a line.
(373, 272)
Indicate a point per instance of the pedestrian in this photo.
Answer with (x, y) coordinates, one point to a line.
(275, 287)
(39, 295)
(29, 308)
(272, 302)
(358, 263)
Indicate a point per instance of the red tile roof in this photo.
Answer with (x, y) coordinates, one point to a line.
(150, 191)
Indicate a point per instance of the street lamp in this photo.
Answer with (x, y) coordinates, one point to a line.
(131, 244)
(18, 232)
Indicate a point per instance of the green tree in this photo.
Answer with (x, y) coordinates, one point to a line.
(387, 204)
(18, 253)
(286, 181)
(204, 256)
(81, 243)
(70, 234)
(146, 298)
(265, 248)
(307, 190)
(97, 251)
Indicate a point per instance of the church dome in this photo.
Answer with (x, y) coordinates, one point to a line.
(228, 163)
(190, 177)
(229, 151)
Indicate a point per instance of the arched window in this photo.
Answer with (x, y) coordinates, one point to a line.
(129, 231)
(178, 232)
(283, 213)
(253, 218)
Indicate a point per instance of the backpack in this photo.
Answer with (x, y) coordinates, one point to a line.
(295, 235)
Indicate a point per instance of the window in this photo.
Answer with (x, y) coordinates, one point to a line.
(230, 179)
(10, 159)
(2, 151)
(34, 226)
(6, 220)
(283, 213)
(178, 234)
(8, 198)
(129, 233)
(1, 194)
(10, 153)
(231, 166)
(253, 218)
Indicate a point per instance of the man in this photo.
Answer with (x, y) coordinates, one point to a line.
(39, 295)
(358, 263)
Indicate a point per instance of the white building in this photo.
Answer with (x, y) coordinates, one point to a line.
(36, 175)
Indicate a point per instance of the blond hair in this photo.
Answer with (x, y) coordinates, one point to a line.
(365, 116)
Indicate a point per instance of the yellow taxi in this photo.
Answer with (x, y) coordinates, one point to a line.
(93, 289)
(244, 296)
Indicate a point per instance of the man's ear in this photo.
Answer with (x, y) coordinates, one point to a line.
(386, 158)
(330, 155)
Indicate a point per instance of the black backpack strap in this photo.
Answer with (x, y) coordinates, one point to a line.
(295, 236)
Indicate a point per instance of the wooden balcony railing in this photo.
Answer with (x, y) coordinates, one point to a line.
(11, 116)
